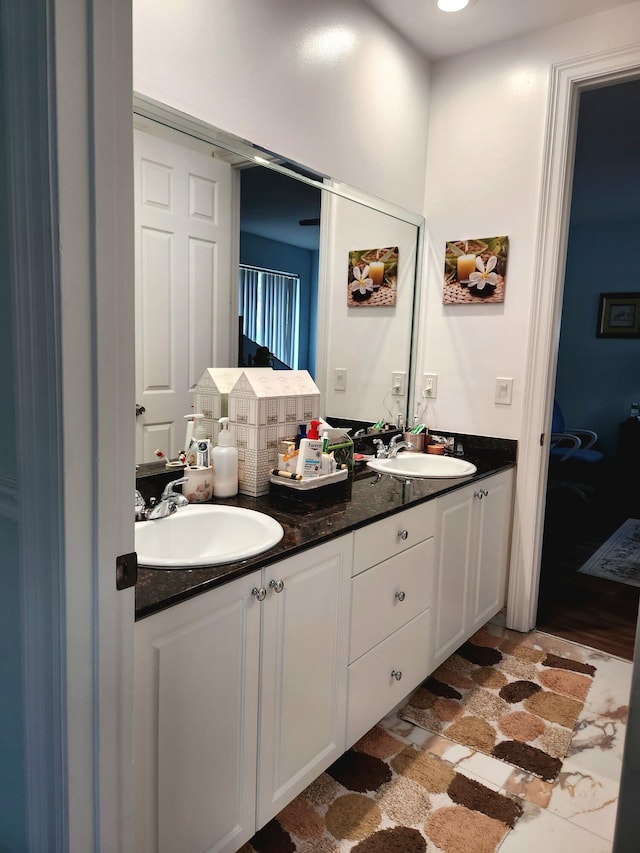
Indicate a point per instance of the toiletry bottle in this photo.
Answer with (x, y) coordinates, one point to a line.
(199, 452)
(189, 434)
(225, 464)
(310, 453)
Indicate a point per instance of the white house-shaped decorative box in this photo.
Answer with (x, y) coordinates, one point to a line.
(265, 408)
(211, 395)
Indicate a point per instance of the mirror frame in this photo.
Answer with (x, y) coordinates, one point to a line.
(163, 114)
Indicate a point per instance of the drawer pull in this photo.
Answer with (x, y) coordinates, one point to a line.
(278, 586)
(260, 593)
(403, 534)
(396, 674)
(400, 596)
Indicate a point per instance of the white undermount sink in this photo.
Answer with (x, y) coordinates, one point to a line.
(422, 465)
(205, 535)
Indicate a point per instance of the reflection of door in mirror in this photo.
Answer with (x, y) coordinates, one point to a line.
(279, 246)
(183, 269)
(181, 331)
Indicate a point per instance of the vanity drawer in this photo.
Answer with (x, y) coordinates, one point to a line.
(373, 690)
(376, 542)
(389, 595)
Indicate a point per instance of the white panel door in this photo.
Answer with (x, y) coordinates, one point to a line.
(183, 276)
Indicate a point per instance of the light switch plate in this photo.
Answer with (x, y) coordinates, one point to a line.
(504, 390)
(398, 383)
(429, 386)
(340, 379)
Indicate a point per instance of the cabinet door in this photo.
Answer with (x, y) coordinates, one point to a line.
(195, 722)
(492, 526)
(450, 612)
(304, 671)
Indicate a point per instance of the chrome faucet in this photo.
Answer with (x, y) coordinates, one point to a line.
(394, 448)
(391, 451)
(167, 505)
(169, 494)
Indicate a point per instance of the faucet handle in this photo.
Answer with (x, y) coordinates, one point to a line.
(140, 507)
(175, 497)
(381, 451)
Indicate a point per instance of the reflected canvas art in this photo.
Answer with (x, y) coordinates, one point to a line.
(372, 277)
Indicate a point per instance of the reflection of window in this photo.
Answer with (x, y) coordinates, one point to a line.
(269, 302)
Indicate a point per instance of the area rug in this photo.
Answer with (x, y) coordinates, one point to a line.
(506, 699)
(386, 795)
(619, 558)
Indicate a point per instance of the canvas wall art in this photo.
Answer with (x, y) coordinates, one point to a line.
(475, 271)
(372, 278)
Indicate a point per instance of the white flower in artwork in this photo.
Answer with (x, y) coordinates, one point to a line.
(363, 285)
(484, 275)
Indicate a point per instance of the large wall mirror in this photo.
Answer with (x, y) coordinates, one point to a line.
(243, 258)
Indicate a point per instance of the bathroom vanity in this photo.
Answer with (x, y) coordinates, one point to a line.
(251, 679)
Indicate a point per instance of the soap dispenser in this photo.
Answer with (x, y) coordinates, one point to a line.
(199, 451)
(225, 463)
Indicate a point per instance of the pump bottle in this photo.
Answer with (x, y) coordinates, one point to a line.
(310, 453)
(225, 463)
(199, 451)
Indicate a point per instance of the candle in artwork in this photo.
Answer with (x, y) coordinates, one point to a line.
(376, 272)
(466, 264)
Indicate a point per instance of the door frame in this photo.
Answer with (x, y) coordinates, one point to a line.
(567, 80)
(67, 87)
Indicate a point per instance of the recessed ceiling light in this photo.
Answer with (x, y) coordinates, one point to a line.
(452, 5)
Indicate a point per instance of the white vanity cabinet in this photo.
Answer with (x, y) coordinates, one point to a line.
(195, 711)
(246, 693)
(239, 703)
(392, 593)
(474, 525)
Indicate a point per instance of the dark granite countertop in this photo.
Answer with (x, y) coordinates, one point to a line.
(307, 524)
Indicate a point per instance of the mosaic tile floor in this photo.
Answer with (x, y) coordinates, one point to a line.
(578, 810)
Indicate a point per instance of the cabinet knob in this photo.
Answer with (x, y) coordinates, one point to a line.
(277, 586)
(403, 534)
(400, 596)
(259, 592)
(479, 494)
(485, 492)
(396, 674)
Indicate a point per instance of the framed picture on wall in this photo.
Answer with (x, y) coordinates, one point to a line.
(619, 315)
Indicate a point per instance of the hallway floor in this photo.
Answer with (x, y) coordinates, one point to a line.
(577, 811)
(585, 609)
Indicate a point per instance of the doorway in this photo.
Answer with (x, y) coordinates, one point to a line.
(596, 380)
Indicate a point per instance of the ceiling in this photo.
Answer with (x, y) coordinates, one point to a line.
(440, 34)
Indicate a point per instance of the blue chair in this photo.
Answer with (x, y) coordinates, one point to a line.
(572, 445)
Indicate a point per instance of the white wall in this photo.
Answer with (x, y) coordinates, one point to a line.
(487, 123)
(325, 84)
